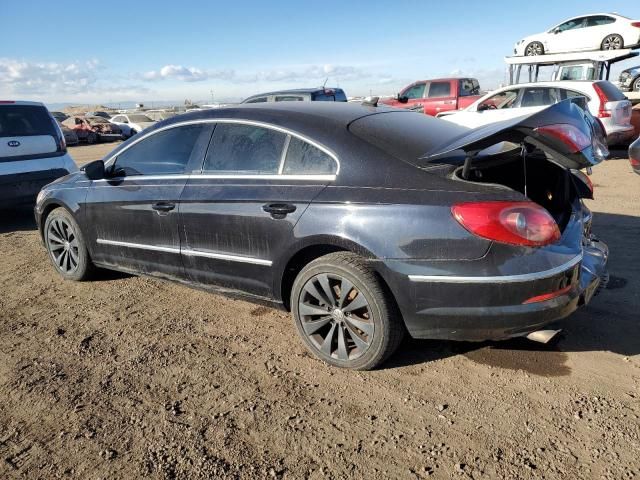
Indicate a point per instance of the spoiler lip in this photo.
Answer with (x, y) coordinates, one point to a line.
(522, 129)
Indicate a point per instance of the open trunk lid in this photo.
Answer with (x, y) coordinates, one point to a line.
(582, 143)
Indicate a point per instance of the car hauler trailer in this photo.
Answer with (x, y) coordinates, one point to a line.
(601, 60)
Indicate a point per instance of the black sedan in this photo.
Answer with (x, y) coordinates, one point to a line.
(366, 223)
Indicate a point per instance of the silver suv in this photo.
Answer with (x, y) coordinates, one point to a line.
(33, 152)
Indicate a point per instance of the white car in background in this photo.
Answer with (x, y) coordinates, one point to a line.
(132, 123)
(604, 100)
(33, 152)
(600, 31)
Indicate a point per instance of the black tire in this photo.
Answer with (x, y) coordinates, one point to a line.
(66, 246)
(635, 86)
(368, 334)
(612, 42)
(91, 138)
(534, 49)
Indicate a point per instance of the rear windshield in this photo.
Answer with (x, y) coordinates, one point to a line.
(405, 135)
(611, 91)
(330, 96)
(25, 121)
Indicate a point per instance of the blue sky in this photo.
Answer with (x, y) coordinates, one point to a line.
(174, 50)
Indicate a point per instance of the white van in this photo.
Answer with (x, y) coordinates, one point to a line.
(33, 152)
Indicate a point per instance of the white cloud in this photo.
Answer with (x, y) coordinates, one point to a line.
(308, 72)
(18, 76)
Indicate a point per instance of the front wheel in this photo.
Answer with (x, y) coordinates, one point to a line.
(66, 246)
(92, 138)
(636, 85)
(533, 49)
(344, 314)
(612, 42)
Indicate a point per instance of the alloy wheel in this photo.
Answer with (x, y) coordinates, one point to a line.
(612, 42)
(534, 49)
(336, 317)
(63, 245)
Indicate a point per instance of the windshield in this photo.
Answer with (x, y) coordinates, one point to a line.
(139, 118)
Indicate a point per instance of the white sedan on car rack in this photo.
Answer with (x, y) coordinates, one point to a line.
(601, 31)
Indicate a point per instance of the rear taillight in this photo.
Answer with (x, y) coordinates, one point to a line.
(635, 24)
(6, 102)
(574, 138)
(516, 223)
(602, 97)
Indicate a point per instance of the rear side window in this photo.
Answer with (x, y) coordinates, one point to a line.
(289, 98)
(304, 159)
(166, 152)
(439, 89)
(246, 149)
(25, 121)
(611, 91)
(257, 100)
(539, 96)
(331, 95)
(468, 87)
(599, 20)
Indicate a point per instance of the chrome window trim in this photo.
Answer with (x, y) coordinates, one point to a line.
(523, 277)
(254, 123)
(187, 251)
(207, 176)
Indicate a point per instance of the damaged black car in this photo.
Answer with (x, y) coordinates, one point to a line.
(366, 223)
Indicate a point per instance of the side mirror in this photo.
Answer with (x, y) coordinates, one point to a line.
(556, 30)
(482, 107)
(94, 170)
(402, 98)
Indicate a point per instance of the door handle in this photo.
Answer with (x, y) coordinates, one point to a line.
(279, 210)
(163, 206)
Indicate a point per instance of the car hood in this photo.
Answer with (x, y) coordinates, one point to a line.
(472, 143)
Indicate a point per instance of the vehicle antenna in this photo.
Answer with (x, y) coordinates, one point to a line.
(325, 82)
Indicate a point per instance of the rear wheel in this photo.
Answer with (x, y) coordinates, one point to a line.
(612, 42)
(344, 314)
(636, 85)
(66, 246)
(92, 138)
(533, 49)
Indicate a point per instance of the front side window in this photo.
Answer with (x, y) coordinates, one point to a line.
(257, 100)
(439, 89)
(245, 149)
(304, 159)
(499, 100)
(165, 152)
(416, 91)
(571, 24)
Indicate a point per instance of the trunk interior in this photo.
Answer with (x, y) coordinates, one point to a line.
(542, 181)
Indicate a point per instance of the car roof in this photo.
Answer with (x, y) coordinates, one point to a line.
(296, 90)
(289, 114)
(21, 102)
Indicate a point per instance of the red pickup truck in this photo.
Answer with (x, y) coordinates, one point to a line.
(439, 95)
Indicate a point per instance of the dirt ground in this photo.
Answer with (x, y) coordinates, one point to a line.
(128, 377)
